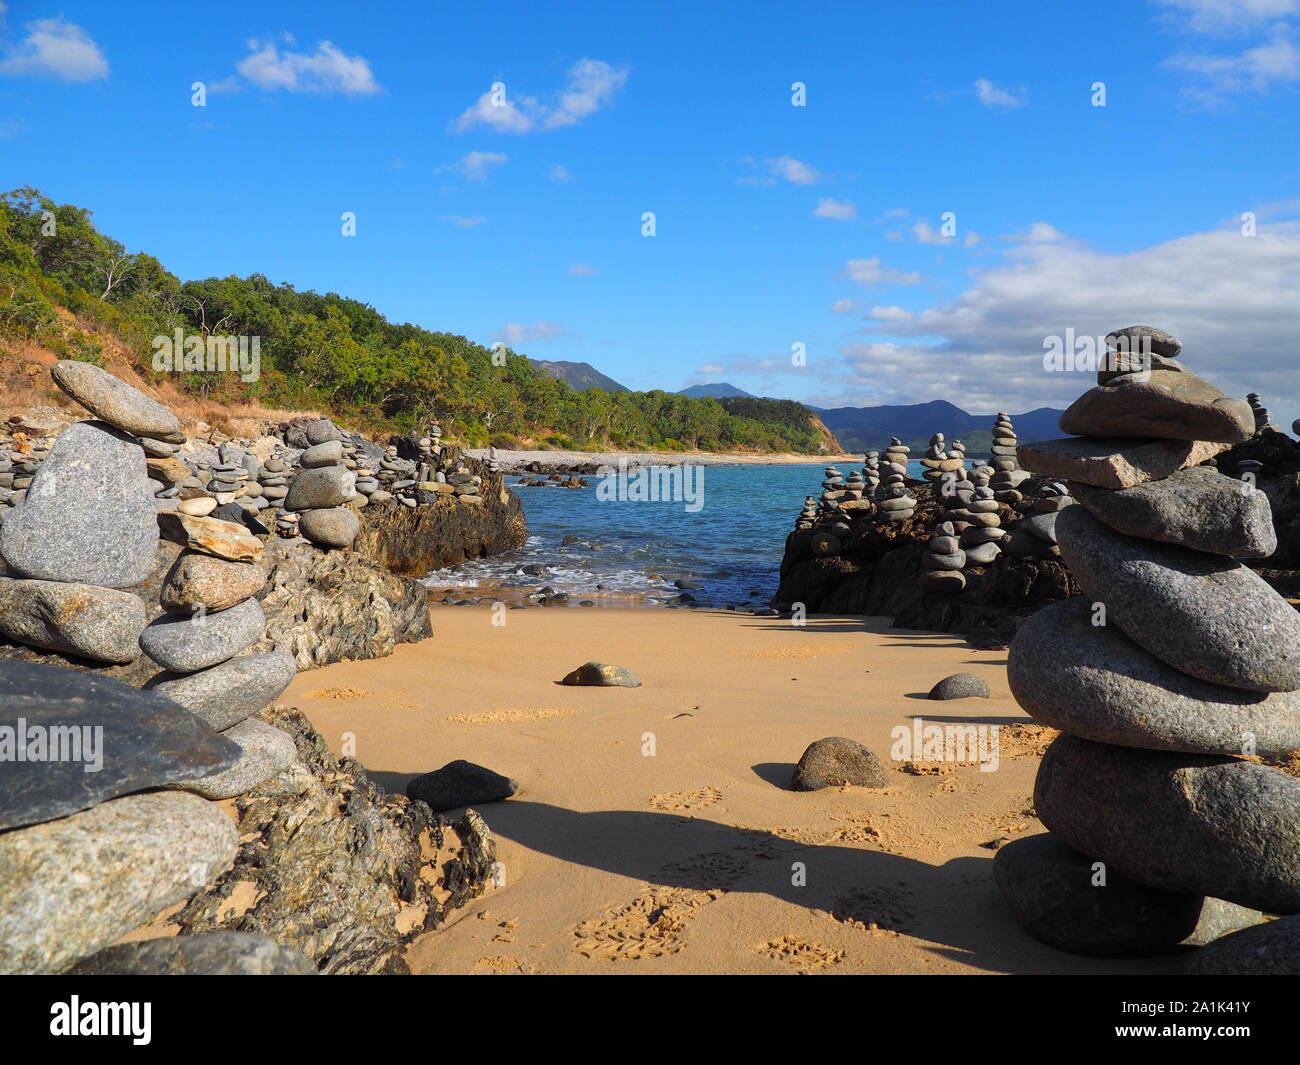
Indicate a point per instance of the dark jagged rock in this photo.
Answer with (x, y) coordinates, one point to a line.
(1271, 949)
(333, 866)
(136, 739)
(209, 954)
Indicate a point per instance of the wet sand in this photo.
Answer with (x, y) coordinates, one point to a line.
(655, 830)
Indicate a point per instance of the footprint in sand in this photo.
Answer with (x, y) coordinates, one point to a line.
(880, 909)
(686, 801)
(336, 693)
(803, 956)
(503, 965)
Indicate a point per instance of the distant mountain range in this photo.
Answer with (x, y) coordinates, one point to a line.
(716, 390)
(869, 428)
(579, 375)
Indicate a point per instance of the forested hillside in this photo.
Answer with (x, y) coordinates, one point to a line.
(69, 288)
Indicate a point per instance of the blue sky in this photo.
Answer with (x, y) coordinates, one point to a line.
(776, 225)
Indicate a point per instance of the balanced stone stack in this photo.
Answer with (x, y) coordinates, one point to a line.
(1175, 665)
(935, 455)
(943, 562)
(1007, 475)
(832, 487)
(321, 490)
(1263, 420)
(894, 503)
(871, 472)
(807, 516)
(1035, 535)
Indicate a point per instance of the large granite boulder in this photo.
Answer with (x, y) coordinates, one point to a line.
(100, 624)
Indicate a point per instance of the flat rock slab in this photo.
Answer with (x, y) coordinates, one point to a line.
(1168, 406)
(961, 686)
(1054, 894)
(116, 402)
(89, 513)
(71, 887)
(186, 643)
(1271, 949)
(264, 751)
(1094, 682)
(836, 761)
(212, 536)
(70, 739)
(206, 954)
(101, 624)
(458, 784)
(1198, 824)
(599, 675)
(1114, 463)
(1198, 508)
(1205, 615)
(225, 695)
(200, 579)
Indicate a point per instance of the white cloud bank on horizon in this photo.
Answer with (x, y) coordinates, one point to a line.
(589, 85)
(1229, 298)
(54, 48)
(1270, 63)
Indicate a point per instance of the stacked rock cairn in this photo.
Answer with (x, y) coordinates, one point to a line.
(893, 502)
(1263, 420)
(1175, 666)
(324, 487)
(871, 472)
(76, 548)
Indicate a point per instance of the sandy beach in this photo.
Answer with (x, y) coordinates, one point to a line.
(655, 830)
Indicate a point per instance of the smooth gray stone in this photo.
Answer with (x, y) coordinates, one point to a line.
(200, 579)
(71, 887)
(942, 581)
(225, 695)
(329, 453)
(1053, 894)
(1094, 682)
(982, 554)
(458, 784)
(1198, 508)
(1205, 615)
(330, 526)
(1200, 824)
(70, 739)
(1167, 406)
(116, 402)
(101, 624)
(264, 751)
(599, 675)
(186, 644)
(1270, 949)
(952, 560)
(1137, 338)
(835, 761)
(205, 954)
(1042, 525)
(961, 686)
(326, 486)
(89, 515)
(321, 431)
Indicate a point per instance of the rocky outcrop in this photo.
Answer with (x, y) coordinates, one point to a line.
(331, 865)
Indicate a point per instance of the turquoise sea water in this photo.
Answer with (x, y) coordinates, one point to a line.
(731, 545)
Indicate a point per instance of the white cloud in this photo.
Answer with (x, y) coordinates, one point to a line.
(889, 314)
(463, 222)
(589, 85)
(513, 334)
(1229, 298)
(55, 48)
(559, 174)
(1038, 233)
(833, 208)
(474, 166)
(845, 306)
(711, 369)
(1228, 16)
(582, 270)
(927, 234)
(783, 168)
(991, 95)
(1273, 64)
(326, 70)
(872, 272)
